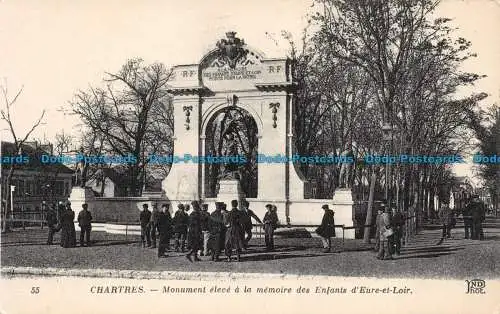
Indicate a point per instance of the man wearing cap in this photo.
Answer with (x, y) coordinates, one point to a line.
(145, 218)
(247, 215)
(194, 232)
(205, 228)
(217, 231)
(467, 216)
(327, 228)
(478, 213)
(384, 225)
(187, 208)
(180, 223)
(446, 217)
(397, 222)
(165, 229)
(270, 224)
(51, 219)
(154, 225)
(85, 223)
(380, 211)
(234, 239)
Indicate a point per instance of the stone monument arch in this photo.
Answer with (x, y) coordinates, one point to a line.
(235, 75)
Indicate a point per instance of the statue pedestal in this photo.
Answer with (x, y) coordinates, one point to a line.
(343, 206)
(230, 189)
(79, 196)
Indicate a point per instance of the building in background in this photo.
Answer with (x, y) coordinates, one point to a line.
(34, 180)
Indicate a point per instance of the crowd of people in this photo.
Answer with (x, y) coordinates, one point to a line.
(61, 218)
(390, 225)
(229, 231)
(201, 233)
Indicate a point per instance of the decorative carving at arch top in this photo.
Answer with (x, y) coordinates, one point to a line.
(231, 52)
(231, 66)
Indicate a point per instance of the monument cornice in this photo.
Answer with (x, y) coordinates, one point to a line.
(187, 90)
(276, 86)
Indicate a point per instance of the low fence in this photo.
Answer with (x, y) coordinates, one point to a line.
(23, 219)
(37, 218)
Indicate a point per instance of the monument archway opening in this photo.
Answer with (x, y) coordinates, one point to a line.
(231, 135)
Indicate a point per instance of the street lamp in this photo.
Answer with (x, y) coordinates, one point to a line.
(387, 138)
(12, 189)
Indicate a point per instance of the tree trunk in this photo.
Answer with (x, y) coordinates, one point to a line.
(369, 211)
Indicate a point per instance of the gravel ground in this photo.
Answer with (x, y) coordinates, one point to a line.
(422, 258)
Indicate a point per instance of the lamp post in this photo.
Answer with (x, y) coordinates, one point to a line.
(387, 138)
(12, 189)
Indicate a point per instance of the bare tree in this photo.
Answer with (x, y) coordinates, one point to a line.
(131, 114)
(63, 143)
(19, 141)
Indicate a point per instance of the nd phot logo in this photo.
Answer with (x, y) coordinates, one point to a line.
(476, 286)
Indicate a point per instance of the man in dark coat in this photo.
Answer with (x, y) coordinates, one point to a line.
(446, 217)
(397, 222)
(270, 224)
(217, 231)
(51, 219)
(478, 212)
(247, 215)
(85, 223)
(234, 239)
(180, 223)
(194, 232)
(68, 232)
(384, 225)
(205, 228)
(154, 225)
(145, 219)
(165, 230)
(327, 228)
(380, 211)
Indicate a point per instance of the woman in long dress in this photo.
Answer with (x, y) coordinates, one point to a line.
(68, 232)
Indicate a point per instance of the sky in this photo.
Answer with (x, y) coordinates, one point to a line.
(53, 48)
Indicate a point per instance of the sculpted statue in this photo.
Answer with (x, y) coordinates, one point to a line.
(231, 149)
(80, 170)
(345, 168)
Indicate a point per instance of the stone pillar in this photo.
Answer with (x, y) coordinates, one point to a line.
(229, 190)
(182, 182)
(343, 206)
(79, 196)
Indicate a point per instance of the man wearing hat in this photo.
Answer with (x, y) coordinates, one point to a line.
(205, 228)
(234, 239)
(165, 229)
(180, 223)
(85, 223)
(217, 231)
(478, 213)
(154, 225)
(380, 211)
(194, 232)
(385, 232)
(51, 219)
(397, 223)
(327, 228)
(247, 215)
(467, 216)
(144, 219)
(270, 224)
(446, 216)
